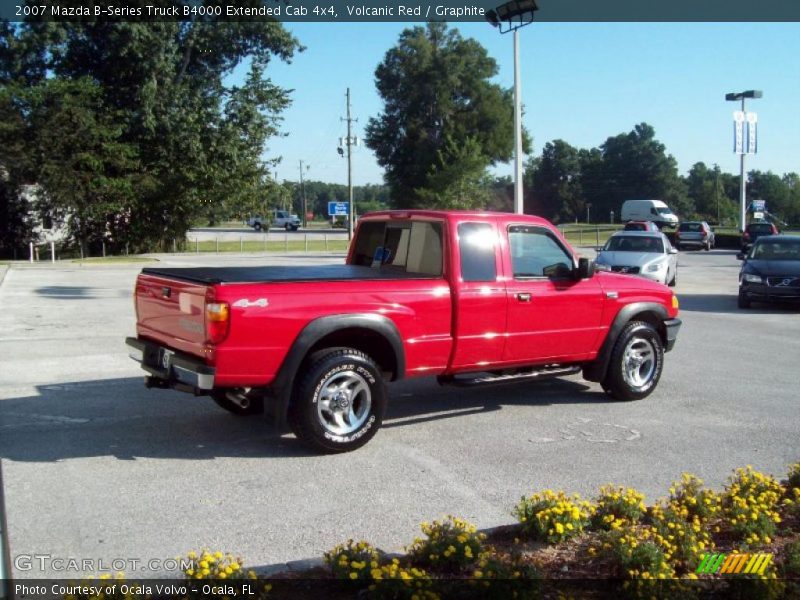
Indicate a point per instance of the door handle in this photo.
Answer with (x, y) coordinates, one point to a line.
(524, 297)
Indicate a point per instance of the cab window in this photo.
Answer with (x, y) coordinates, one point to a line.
(535, 252)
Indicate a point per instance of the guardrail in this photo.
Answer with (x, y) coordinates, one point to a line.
(52, 251)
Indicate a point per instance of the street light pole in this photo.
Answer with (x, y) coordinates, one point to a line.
(510, 17)
(518, 205)
(733, 97)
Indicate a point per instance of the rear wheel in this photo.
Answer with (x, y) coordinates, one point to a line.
(257, 226)
(339, 402)
(241, 402)
(636, 362)
(287, 227)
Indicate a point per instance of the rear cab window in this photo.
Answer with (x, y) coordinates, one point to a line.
(412, 247)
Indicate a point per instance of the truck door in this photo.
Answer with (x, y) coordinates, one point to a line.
(552, 317)
(479, 321)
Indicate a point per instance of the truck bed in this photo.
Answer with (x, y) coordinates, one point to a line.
(293, 274)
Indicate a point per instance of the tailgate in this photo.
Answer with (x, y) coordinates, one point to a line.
(172, 312)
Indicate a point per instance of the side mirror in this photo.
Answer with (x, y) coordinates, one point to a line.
(740, 256)
(673, 250)
(586, 268)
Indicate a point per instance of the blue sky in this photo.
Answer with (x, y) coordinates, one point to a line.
(581, 82)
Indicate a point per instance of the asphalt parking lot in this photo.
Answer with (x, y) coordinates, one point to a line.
(96, 466)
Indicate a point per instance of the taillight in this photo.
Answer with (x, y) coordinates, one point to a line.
(217, 321)
(746, 235)
(677, 234)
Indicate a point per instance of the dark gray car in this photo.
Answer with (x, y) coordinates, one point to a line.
(696, 234)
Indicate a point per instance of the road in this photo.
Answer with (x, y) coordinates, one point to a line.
(96, 466)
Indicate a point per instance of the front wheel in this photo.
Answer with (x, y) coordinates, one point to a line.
(257, 226)
(636, 362)
(743, 301)
(339, 402)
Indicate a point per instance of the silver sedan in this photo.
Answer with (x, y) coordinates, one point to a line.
(643, 253)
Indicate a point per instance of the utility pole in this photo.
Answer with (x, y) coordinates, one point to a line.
(303, 194)
(349, 143)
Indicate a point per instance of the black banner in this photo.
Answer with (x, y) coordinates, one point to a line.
(454, 11)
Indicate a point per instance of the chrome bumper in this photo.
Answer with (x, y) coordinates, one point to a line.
(171, 367)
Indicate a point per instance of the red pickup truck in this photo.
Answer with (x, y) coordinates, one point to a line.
(473, 298)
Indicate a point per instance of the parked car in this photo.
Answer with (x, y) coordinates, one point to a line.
(649, 210)
(694, 233)
(770, 271)
(643, 253)
(473, 298)
(280, 218)
(755, 231)
(640, 226)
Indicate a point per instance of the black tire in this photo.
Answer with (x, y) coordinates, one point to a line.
(255, 406)
(708, 246)
(257, 226)
(636, 362)
(341, 422)
(674, 279)
(743, 301)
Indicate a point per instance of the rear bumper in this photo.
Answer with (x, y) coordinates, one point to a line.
(672, 326)
(174, 369)
(692, 241)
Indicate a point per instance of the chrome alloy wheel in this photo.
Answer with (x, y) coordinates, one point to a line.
(344, 402)
(638, 362)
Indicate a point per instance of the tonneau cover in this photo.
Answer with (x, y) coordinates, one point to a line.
(223, 275)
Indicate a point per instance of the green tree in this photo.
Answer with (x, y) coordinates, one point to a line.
(443, 122)
(192, 144)
(772, 188)
(636, 165)
(555, 189)
(707, 191)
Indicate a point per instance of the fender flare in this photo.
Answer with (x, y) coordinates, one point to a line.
(596, 370)
(316, 330)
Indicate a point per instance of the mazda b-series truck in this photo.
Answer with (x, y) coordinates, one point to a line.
(473, 298)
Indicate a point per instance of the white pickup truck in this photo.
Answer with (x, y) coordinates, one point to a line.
(280, 218)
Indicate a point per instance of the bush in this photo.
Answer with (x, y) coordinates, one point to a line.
(397, 582)
(449, 544)
(353, 560)
(553, 516)
(214, 565)
(683, 537)
(793, 481)
(750, 503)
(616, 506)
(691, 499)
(791, 559)
(637, 552)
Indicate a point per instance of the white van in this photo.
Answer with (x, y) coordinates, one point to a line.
(649, 210)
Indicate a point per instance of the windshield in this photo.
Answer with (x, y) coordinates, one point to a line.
(691, 227)
(759, 228)
(780, 250)
(631, 243)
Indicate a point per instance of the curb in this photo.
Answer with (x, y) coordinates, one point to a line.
(306, 564)
(3, 270)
